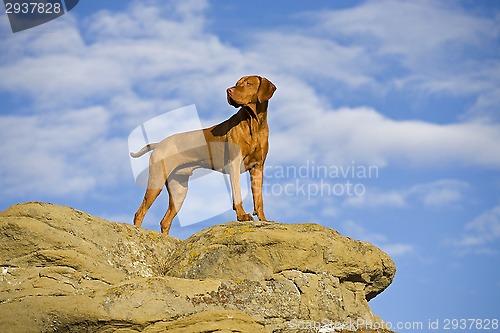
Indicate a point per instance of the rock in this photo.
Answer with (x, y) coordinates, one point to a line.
(223, 321)
(269, 250)
(67, 271)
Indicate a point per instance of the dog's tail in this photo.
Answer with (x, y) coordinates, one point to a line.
(144, 150)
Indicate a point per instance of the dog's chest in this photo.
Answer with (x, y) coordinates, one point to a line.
(257, 135)
(255, 149)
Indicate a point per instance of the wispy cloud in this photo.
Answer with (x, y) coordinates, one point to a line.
(311, 56)
(59, 154)
(413, 29)
(355, 230)
(441, 193)
(90, 87)
(481, 235)
(113, 53)
(376, 198)
(428, 45)
(365, 135)
(115, 70)
(438, 194)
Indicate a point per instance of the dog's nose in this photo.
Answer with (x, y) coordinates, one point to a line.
(230, 90)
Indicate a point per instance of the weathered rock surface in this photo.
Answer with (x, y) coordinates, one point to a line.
(67, 271)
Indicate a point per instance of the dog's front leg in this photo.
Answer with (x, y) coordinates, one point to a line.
(234, 176)
(257, 179)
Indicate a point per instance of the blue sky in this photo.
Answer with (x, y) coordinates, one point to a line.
(411, 88)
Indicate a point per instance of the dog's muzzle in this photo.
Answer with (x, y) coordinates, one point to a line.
(230, 99)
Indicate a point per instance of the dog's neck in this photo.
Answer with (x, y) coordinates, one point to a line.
(257, 111)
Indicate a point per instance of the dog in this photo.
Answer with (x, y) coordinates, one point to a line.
(237, 145)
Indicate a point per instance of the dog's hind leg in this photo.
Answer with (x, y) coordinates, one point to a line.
(177, 186)
(149, 198)
(156, 181)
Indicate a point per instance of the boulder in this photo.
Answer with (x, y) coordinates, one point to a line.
(67, 271)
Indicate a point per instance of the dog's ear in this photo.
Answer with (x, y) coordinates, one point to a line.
(266, 90)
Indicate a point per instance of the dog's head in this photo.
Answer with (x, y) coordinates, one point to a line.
(250, 91)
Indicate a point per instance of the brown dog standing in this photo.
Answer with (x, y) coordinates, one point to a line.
(234, 146)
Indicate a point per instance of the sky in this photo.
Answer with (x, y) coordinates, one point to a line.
(385, 125)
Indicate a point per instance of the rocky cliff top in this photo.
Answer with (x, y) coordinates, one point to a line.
(67, 271)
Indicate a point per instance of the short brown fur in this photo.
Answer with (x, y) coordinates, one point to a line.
(234, 146)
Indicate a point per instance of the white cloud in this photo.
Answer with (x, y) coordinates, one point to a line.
(481, 235)
(366, 136)
(56, 80)
(92, 83)
(355, 230)
(440, 193)
(310, 57)
(295, 208)
(143, 49)
(398, 249)
(430, 45)
(155, 57)
(166, 46)
(374, 198)
(412, 28)
(59, 154)
(437, 194)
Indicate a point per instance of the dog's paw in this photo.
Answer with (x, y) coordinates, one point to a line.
(261, 217)
(244, 217)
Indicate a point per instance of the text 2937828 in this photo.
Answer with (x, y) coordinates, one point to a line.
(33, 8)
